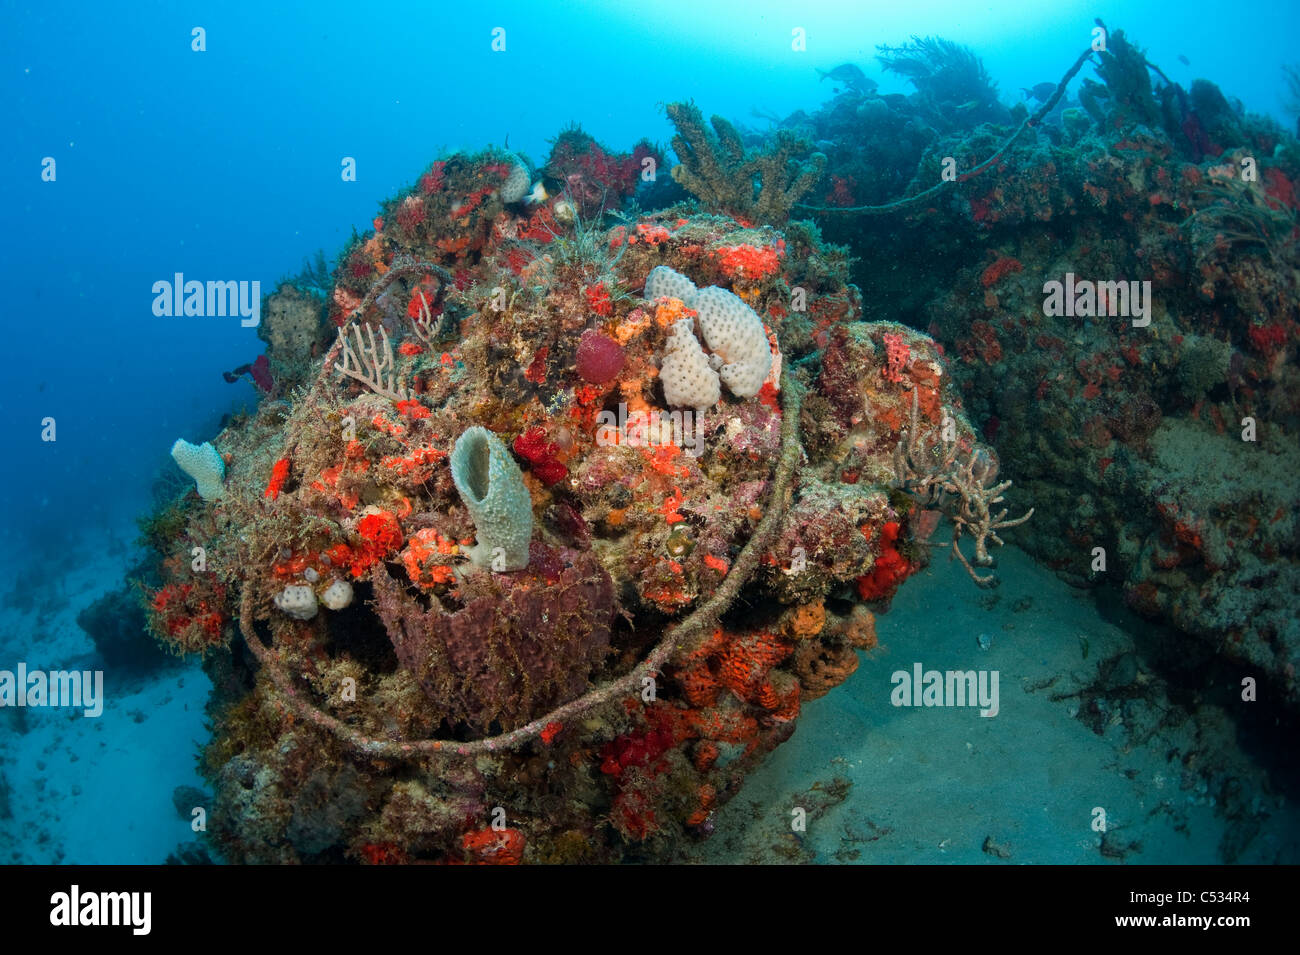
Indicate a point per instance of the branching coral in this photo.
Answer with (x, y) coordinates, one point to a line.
(370, 362)
(940, 69)
(1124, 69)
(937, 471)
(315, 276)
(425, 327)
(718, 170)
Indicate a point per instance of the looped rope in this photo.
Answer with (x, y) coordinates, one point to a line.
(938, 187)
(677, 642)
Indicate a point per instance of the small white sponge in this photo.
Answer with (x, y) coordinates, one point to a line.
(298, 601)
(204, 464)
(689, 381)
(663, 282)
(517, 183)
(734, 332)
(337, 595)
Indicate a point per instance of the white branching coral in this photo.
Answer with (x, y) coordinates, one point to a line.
(370, 362)
(424, 326)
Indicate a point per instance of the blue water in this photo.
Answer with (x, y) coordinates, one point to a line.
(225, 164)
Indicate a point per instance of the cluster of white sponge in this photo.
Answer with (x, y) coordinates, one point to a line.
(741, 357)
(299, 600)
(689, 380)
(734, 332)
(663, 282)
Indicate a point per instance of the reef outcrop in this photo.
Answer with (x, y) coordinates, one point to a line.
(689, 576)
(1115, 282)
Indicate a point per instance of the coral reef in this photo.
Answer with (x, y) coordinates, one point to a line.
(677, 580)
(116, 623)
(1153, 421)
(595, 178)
(1108, 290)
(1138, 439)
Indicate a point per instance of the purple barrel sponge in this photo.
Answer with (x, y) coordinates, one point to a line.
(600, 358)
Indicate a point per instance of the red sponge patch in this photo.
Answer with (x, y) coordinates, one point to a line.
(600, 358)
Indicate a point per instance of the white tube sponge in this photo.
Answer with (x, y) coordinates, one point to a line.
(204, 464)
(734, 332)
(492, 487)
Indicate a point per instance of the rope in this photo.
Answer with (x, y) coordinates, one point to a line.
(938, 187)
(678, 641)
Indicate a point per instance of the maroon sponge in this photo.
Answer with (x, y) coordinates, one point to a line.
(600, 358)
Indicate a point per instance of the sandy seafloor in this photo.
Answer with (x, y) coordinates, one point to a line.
(92, 790)
(878, 784)
(881, 784)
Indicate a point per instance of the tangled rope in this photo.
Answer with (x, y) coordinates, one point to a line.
(943, 184)
(678, 641)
